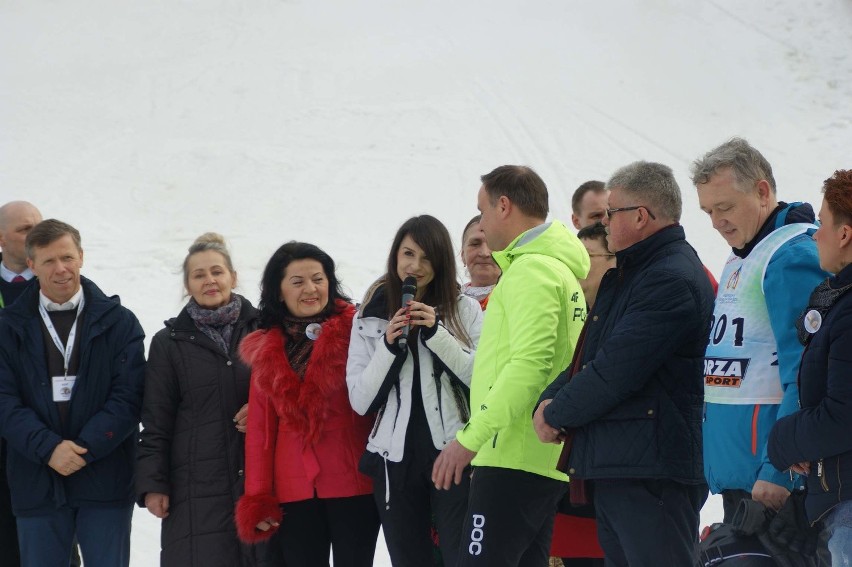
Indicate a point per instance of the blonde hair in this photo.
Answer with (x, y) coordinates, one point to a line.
(207, 241)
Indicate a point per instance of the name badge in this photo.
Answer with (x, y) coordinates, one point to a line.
(62, 388)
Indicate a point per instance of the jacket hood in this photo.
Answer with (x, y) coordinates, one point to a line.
(549, 239)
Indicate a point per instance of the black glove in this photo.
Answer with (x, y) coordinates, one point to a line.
(751, 517)
(790, 527)
(784, 556)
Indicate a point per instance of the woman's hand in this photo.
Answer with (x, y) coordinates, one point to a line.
(396, 325)
(266, 525)
(158, 504)
(422, 314)
(241, 418)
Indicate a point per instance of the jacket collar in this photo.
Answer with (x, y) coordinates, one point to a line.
(98, 306)
(644, 250)
(302, 402)
(783, 214)
(842, 278)
(184, 323)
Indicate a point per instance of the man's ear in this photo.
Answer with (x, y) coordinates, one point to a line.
(575, 220)
(764, 191)
(504, 206)
(845, 235)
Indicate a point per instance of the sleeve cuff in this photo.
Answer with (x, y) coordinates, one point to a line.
(773, 475)
(429, 332)
(250, 511)
(471, 439)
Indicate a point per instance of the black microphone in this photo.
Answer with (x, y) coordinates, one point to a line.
(409, 288)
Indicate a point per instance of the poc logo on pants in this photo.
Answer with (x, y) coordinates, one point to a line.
(476, 535)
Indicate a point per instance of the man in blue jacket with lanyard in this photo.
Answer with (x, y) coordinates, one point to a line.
(753, 355)
(71, 377)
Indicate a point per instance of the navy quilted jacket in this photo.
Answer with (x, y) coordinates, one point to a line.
(637, 401)
(821, 432)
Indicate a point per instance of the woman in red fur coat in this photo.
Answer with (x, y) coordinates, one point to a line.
(303, 441)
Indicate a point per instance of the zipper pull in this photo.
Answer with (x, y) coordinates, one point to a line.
(823, 481)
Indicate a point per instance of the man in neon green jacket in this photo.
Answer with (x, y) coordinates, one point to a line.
(535, 315)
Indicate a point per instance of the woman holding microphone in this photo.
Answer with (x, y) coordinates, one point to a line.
(412, 363)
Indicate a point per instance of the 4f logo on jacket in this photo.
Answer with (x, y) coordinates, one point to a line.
(725, 372)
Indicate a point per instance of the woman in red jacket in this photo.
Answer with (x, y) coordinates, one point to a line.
(303, 441)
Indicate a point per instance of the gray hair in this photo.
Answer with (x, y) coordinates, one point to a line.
(654, 184)
(207, 241)
(748, 165)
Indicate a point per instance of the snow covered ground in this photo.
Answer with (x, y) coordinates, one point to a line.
(147, 123)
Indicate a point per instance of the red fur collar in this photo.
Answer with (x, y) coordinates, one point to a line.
(302, 403)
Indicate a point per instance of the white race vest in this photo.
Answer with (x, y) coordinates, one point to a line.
(741, 361)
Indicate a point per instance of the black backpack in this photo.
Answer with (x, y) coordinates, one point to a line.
(725, 547)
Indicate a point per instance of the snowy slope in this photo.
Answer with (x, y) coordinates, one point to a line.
(145, 124)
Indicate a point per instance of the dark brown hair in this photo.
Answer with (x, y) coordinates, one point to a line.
(521, 185)
(272, 308)
(442, 292)
(580, 192)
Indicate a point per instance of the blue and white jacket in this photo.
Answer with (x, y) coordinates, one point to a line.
(736, 430)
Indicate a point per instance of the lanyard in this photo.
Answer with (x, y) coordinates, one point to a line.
(66, 349)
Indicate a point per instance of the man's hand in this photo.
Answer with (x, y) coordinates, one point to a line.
(158, 504)
(545, 432)
(769, 494)
(66, 459)
(241, 418)
(450, 465)
(803, 468)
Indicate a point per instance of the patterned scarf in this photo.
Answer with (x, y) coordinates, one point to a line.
(478, 293)
(299, 345)
(218, 324)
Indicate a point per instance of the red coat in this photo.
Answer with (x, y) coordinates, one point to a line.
(302, 436)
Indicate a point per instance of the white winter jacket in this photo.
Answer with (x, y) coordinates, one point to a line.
(444, 386)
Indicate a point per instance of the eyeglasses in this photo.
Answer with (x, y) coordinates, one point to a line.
(610, 212)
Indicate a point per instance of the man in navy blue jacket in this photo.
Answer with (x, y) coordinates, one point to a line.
(17, 218)
(635, 399)
(71, 378)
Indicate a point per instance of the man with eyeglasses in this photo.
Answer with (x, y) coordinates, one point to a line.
(752, 360)
(631, 401)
